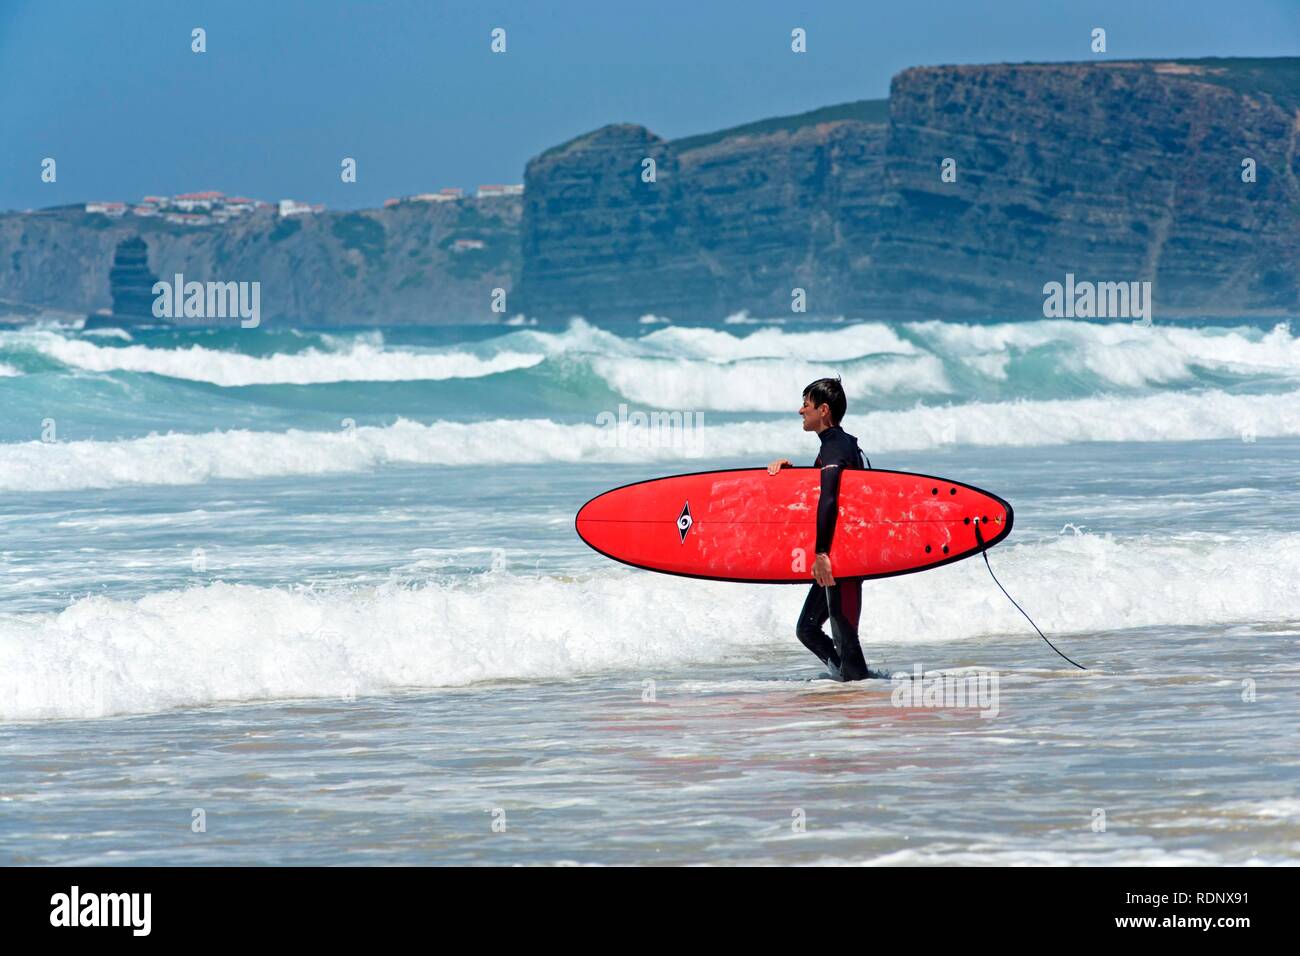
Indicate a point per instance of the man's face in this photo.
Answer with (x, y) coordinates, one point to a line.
(813, 415)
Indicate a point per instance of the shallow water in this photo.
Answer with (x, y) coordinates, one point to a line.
(715, 768)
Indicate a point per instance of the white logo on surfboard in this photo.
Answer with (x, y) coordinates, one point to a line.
(684, 521)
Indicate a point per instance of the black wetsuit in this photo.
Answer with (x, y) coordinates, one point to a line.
(842, 602)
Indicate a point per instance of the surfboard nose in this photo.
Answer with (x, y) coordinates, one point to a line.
(988, 519)
(950, 521)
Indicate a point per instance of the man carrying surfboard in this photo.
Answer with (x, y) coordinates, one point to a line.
(824, 405)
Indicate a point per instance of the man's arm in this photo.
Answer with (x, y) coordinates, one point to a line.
(828, 507)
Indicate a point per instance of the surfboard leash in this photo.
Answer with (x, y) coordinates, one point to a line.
(985, 551)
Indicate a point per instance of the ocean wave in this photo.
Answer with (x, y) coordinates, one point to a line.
(838, 344)
(184, 459)
(1120, 353)
(108, 332)
(764, 385)
(238, 643)
(1115, 353)
(735, 369)
(714, 344)
(362, 361)
(228, 642)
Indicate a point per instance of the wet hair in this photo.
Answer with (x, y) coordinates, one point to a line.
(828, 391)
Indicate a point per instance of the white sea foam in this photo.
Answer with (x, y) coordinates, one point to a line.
(108, 332)
(233, 643)
(1284, 809)
(715, 345)
(991, 365)
(763, 385)
(855, 341)
(225, 642)
(1107, 355)
(184, 459)
(680, 367)
(1118, 353)
(362, 361)
(1121, 353)
(341, 343)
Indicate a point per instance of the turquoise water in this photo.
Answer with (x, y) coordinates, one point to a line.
(325, 586)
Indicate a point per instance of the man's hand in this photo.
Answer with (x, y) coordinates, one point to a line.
(822, 570)
(777, 465)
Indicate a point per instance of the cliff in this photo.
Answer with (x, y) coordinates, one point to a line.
(1113, 171)
(733, 220)
(397, 264)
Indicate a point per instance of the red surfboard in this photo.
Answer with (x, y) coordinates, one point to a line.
(746, 525)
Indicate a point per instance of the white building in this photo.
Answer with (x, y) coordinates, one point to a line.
(291, 207)
(113, 209)
(442, 195)
(188, 202)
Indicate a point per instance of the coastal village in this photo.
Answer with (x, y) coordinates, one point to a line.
(207, 208)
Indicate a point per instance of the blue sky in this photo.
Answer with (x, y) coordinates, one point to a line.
(111, 90)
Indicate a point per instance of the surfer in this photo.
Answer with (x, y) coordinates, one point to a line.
(823, 407)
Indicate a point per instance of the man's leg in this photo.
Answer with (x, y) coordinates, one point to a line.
(809, 628)
(845, 611)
